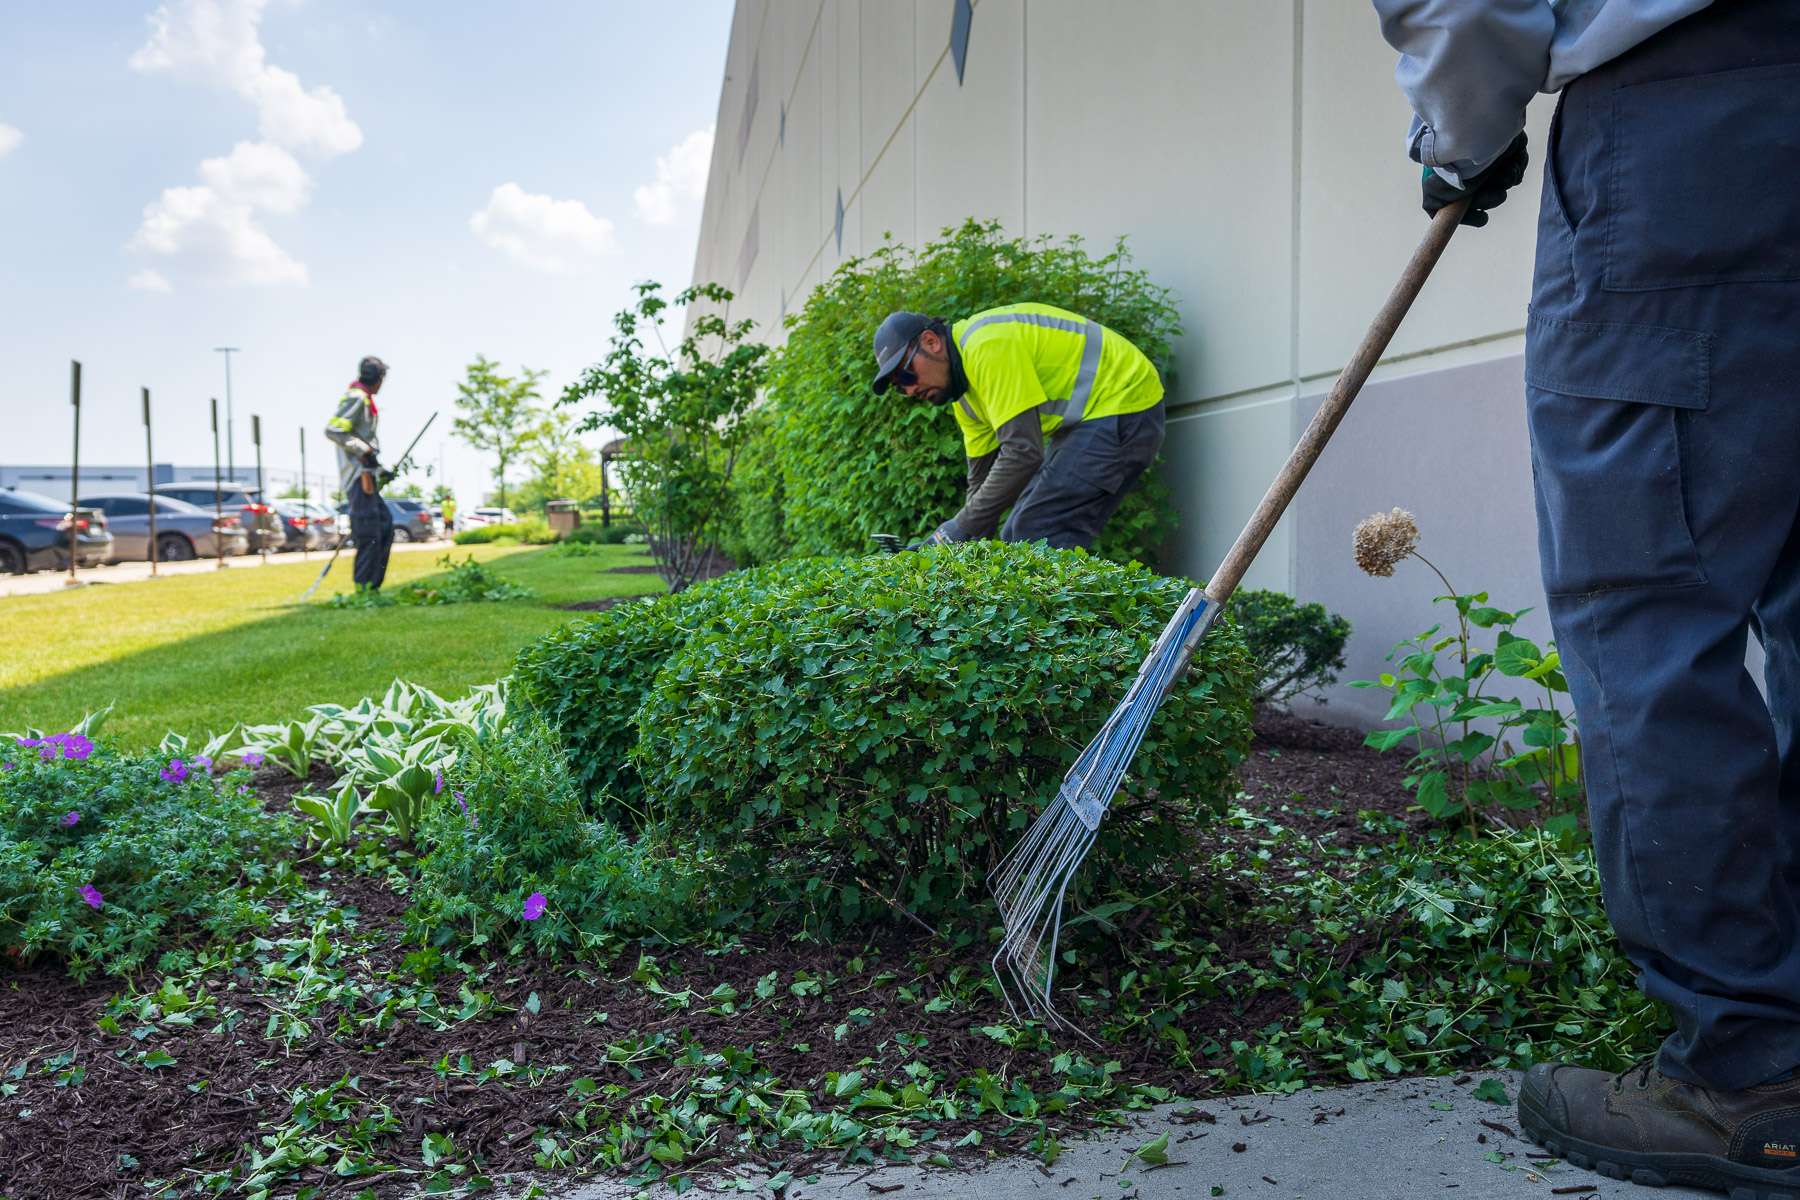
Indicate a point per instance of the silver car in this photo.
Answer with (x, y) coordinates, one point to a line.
(305, 529)
(183, 531)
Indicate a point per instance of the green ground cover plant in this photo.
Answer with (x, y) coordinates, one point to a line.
(828, 463)
(466, 582)
(198, 653)
(108, 859)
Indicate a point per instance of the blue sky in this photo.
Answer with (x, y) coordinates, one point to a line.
(315, 180)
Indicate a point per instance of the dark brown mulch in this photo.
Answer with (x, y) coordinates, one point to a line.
(199, 1112)
(633, 569)
(600, 605)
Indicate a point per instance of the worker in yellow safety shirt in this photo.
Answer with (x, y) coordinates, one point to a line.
(1014, 376)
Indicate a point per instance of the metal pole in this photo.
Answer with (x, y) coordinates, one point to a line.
(218, 489)
(304, 552)
(230, 434)
(74, 462)
(150, 485)
(262, 497)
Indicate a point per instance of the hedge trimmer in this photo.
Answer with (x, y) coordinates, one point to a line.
(1030, 883)
(399, 467)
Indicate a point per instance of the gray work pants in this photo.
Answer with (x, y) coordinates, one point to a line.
(1089, 469)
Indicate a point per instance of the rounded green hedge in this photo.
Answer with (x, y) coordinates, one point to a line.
(890, 724)
(829, 462)
(588, 678)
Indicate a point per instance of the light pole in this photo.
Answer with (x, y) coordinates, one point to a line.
(230, 437)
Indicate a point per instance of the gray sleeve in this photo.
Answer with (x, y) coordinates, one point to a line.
(995, 480)
(342, 427)
(1469, 68)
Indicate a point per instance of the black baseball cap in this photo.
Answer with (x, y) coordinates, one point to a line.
(895, 334)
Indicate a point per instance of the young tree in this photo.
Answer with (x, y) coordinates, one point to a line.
(497, 413)
(683, 413)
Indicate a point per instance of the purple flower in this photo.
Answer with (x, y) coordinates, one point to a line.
(5, 766)
(535, 905)
(30, 741)
(74, 745)
(46, 751)
(437, 783)
(70, 821)
(242, 790)
(201, 761)
(92, 895)
(252, 759)
(175, 772)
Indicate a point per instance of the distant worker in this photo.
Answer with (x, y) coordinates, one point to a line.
(361, 476)
(1014, 376)
(448, 508)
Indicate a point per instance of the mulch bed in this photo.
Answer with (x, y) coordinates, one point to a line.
(633, 569)
(197, 1113)
(600, 605)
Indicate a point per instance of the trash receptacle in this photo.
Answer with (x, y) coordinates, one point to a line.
(565, 516)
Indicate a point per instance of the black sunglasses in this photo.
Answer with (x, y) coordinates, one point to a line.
(904, 376)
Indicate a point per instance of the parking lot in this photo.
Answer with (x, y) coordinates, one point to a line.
(132, 572)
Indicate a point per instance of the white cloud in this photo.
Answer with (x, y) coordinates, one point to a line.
(148, 281)
(260, 175)
(218, 236)
(539, 232)
(680, 179)
(215, 226)
(10, 137)
(218, 42)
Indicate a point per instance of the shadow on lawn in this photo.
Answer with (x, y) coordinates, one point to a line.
(272, 667)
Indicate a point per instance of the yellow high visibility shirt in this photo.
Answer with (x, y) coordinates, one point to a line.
(1023, 356)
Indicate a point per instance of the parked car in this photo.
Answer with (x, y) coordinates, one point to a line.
(183, 531)
(419, 523)
(488, 515)
(244, 499)
(34, 534)
(304, 529)
(333, 527)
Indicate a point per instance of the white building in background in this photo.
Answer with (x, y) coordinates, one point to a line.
(1252, 153)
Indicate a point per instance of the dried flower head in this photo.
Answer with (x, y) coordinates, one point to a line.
(1383, 539)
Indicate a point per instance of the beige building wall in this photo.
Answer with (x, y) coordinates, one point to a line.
(1252, 152)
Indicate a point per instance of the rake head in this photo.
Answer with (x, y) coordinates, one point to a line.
(1030, 884)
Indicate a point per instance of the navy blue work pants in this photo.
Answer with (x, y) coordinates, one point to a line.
(1086, 475)
(372, 528)
(1662, 370)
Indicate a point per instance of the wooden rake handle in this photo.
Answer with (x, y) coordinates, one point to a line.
(1325, 422)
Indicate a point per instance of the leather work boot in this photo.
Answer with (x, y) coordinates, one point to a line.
(1644, 1126)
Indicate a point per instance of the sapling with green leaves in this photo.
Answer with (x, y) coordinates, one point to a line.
(1459, 768)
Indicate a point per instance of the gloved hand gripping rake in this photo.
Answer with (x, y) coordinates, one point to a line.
(1030, 884)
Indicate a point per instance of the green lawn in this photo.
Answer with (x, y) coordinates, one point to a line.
(197, 652)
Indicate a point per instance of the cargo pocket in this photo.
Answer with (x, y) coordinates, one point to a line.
(1701, 184)
(1092, 453)
(1608, 406)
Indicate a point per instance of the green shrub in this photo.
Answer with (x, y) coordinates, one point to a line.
(588, 677)
(533, 531)
(1298, 648)
(511, 824)
(169, 851)
(830, 462)
(897, 721)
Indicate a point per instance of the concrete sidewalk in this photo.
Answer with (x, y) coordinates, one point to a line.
(43, 582)
(1375, 1141)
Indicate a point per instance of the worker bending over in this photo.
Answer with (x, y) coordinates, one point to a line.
(1014, 376)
